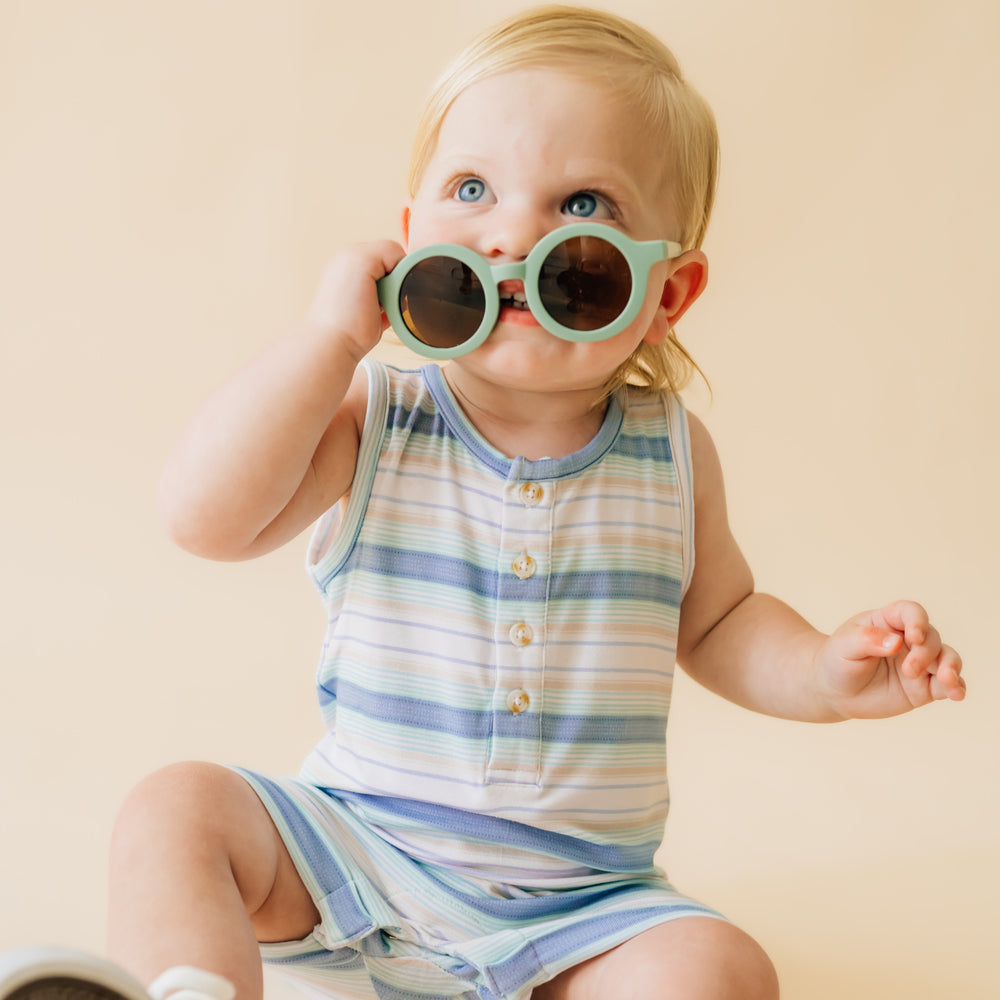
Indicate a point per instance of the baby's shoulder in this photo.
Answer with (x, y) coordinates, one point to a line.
(706, 466)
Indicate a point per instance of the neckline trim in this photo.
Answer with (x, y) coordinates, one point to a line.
(520, 467)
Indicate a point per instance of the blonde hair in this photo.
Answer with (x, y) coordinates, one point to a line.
(638, 67)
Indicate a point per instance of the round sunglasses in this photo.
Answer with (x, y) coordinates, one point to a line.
(582, 282)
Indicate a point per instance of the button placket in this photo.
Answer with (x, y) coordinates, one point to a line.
(515, 755)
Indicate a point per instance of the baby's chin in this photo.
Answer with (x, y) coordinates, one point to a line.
(519, 363)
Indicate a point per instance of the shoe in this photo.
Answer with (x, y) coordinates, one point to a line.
(60, 974)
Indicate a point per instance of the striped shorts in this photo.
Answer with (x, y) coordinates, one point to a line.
(395, 928)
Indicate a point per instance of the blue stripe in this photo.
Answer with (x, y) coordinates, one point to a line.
(624, 585)
(641, 447)
(431, 568)
(476, 724)
(436, 569)
(636, 860)
(342, 959)
(400, 710)
(418, 421)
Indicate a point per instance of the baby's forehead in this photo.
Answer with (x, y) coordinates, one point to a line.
(595, 109)
(578, 99)
(579, 83)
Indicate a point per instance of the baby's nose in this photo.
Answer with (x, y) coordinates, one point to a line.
(514, 236)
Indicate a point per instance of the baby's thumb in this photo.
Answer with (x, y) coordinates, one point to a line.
(871, 640)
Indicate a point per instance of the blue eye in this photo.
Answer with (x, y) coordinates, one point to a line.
(471, 190)
(582, 204)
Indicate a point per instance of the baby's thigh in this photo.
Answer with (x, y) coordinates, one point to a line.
(694, 958)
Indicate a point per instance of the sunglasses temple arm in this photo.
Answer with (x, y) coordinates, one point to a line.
(660, 250)
(670, 249)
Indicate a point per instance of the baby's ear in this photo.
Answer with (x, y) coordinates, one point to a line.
(404, 224)
(688, 277)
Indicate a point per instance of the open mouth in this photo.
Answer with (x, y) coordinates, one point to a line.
(514, 300)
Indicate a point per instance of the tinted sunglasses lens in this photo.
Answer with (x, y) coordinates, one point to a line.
(585, 283)
(442, 302)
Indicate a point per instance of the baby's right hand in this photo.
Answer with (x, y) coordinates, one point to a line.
(346, 300)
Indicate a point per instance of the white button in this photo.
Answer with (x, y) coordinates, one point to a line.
(521, 634)
(518, 701)
(524, 566)
(531, 494)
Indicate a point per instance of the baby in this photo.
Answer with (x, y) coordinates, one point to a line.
(514, 549)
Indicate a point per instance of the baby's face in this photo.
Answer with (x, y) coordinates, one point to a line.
(527, 151)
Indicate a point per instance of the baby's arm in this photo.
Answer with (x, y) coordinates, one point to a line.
(756, 651)
(276, 445)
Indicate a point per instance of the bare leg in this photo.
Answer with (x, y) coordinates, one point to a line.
(694, 958)
(199, 875)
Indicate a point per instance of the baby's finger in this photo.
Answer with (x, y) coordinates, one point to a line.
(909, 618)
(954, 691)
(948, 676)
(923, 656)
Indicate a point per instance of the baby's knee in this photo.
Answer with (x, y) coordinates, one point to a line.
(699, 958)
(180, 800)
(745, 968)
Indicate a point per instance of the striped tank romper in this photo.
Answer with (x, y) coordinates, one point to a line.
(483, 810)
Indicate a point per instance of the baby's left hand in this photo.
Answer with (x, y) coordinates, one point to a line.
(887, 662)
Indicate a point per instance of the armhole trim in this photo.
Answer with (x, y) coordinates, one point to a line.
(337, 531)
(680, 445)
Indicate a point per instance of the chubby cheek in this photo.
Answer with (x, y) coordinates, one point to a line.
(652, 325)
(657, 327)
(609, 355)
(654, 314)
(420, 227)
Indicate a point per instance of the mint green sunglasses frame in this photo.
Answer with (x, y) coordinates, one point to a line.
(639, 255)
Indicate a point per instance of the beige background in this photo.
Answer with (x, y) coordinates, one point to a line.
(172, 175)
